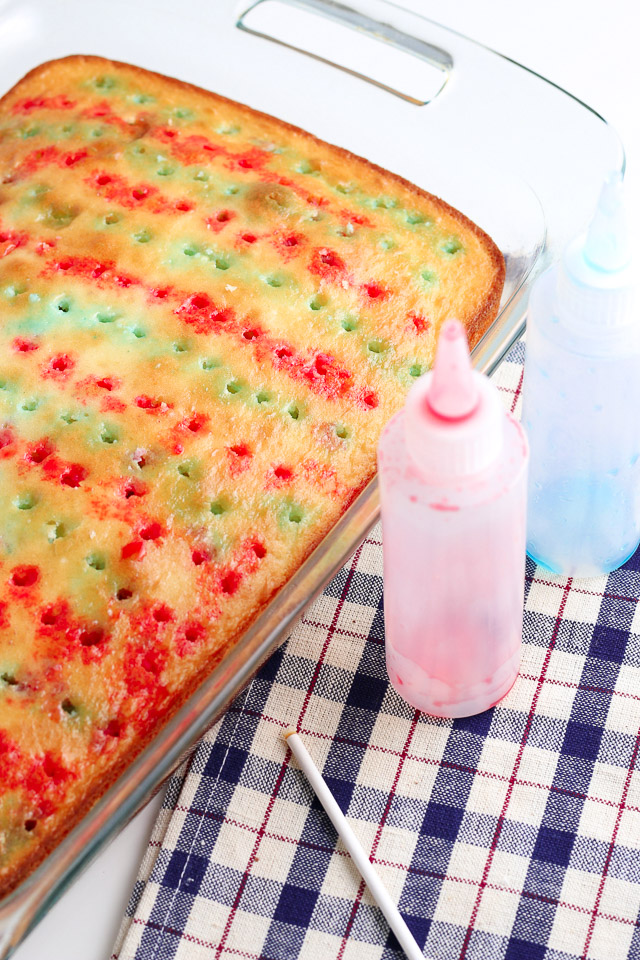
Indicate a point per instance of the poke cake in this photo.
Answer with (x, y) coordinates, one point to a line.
(206, 318)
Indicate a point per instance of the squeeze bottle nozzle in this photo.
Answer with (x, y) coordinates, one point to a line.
(454, 420)
(595, 284)
(453, 394)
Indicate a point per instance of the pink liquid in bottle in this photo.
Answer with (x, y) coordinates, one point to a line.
(452, 468)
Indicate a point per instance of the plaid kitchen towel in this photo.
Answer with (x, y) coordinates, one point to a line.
(513, 835)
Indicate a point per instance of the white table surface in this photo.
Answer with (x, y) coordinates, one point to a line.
(590, 49)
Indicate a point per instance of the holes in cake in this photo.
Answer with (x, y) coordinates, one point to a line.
(283, 353)
(420, 323)
(319, 301)
(451, 246)
(25, 576)
(142, 236)
(342, 432)
(25, 501)
(294, 411)
(290, 241)
(349, 324)
(259, 549)
(61, 363)
(374, 291)
(124, 593)
(186, 469)
(376, 346)
(91, 636)
(415, 370)
(139, 333)
(230, 582)
(97, 561)
(165, 171)
(240, 450)
(262, 397)
(386, 243)
(113, 728)
(163, 614)
(190, 250)
(233, 387)
(50, 616)
(9, 679)
(251, 334)
(22, 345)
(194, 632)
(64, 305)
(273, 280)
(200, 556)
(180, 346)
(223, 216)
(106, 316)
(152, 531)
(283, 473)
(58, 217)
(30, 825)
(108, 435)
(232, 190)
(222, 263)
(201, 175)
(295, 514)
(196, 422)
(73, 475)
(183, 206)
(69, 708)
(55, 530)
(145, 402)
(218, 507)
(104, 82)
(413, 217)
(69, 417)
(306, 167)
(140, 193)
(30, 405)
(249, 237)
(370, 400)
(428, 276)
(111, 218)
(384, 203)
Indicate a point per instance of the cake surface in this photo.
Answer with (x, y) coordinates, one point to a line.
(206, 318)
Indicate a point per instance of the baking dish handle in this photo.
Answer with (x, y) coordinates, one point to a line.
(378, 51)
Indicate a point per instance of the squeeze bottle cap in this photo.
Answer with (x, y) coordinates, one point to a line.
(454, 419)
(595, 281)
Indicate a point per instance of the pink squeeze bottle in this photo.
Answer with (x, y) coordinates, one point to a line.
(452, 468)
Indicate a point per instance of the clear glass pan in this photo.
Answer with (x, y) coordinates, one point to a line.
(498, 142)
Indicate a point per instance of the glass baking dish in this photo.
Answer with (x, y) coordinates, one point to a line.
(496, 141)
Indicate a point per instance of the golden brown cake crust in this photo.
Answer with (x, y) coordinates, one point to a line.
(477, 316)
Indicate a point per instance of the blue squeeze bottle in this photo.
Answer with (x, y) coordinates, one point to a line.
(581, 401)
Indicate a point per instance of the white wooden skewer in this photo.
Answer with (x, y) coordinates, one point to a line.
(359, 857)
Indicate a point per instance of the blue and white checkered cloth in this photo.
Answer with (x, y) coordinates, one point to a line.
(513, 835)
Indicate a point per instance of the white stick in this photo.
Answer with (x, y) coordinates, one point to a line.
(359, 857)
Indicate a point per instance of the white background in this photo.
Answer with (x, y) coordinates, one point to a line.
(590, 49)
